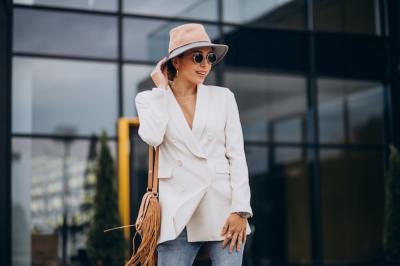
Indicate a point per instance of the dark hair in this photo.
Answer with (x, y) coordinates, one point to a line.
(171, 71)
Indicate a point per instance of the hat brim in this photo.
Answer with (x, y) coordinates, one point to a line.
(219, 49)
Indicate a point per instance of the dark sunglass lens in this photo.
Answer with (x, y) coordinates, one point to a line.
(212, 58)
(198, 58)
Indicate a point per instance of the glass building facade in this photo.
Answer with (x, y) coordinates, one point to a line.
(314, 85)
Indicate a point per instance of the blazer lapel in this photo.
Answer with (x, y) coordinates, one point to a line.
(200, 115)
(190, 137)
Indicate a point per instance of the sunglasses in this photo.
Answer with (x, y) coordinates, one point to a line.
(199, 57)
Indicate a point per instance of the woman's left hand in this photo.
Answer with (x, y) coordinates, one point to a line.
(234, 230)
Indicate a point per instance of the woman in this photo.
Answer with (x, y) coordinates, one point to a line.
(203, 177)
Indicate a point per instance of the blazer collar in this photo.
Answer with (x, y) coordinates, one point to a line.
(191, 137)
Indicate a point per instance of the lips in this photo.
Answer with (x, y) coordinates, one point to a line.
(201, 73)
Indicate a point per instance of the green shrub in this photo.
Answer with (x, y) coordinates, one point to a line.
(391, 239)
(105, 248)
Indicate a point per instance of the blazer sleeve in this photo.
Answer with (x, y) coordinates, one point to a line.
(237, 159)
(151, 106)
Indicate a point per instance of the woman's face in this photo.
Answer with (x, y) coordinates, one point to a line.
(189, 70)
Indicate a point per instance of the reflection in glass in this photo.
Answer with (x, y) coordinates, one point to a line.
(263, 49)
(191, 9)
(48, 94)
(271, 13)
(350, 111)
(266, 100)
(257, 159)
(352, 16)
(352, 194)
(43, 171)
(137, 78)
(280, 201)
(57, 33)
(289, 129)
(255, 130)
(148, 39)
(106, 5)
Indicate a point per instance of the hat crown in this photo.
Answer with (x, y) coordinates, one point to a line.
(185, 34)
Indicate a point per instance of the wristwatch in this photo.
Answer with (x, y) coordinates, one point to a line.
(243, 214)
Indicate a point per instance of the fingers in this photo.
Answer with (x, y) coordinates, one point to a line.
(158, 66)
(164, 70)
(235, 232)
(161, 62)
(233, 241)
(235, 238)
(239, 243)
(161, 66)
(223, 232)
(159, 74)
(226, 240)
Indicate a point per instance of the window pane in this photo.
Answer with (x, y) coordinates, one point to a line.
(352, 195)
(280, 200)
(137, 78)
(279, 50)
(271, 13)
(189, 9)
(148, 39)
(106, 5)
(269, 103)
(289, 129)
(64, 33)
(42, 171)
(350, 111)
(356, 16)
(51, 95)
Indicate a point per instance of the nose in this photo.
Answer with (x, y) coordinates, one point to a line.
(205, 63)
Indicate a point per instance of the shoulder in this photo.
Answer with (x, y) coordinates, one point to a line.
(154, 92)
(220, 91)
(142, 94)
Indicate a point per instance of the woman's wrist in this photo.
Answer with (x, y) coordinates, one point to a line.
(243, 214)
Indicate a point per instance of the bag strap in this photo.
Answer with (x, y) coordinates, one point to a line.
(152, 178)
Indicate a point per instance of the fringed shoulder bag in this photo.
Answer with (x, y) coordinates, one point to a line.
(148, 221)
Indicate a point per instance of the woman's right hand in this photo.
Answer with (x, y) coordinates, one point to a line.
(159, 74)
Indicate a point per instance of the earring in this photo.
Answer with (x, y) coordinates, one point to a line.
(177, 72)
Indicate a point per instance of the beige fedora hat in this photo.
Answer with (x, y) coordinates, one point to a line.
(192, 35)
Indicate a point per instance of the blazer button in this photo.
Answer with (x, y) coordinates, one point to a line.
(182, 188)
(210, 137)
(179, 163)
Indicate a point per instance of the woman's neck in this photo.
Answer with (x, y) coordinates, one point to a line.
(183, 88)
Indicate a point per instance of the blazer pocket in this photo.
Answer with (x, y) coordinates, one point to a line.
(222, 168)
(164, 172)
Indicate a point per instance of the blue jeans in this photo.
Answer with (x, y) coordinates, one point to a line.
(180, 252)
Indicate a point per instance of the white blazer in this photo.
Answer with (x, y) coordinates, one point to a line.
(203, 174)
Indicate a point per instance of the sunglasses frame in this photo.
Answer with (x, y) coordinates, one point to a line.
(202, 59)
